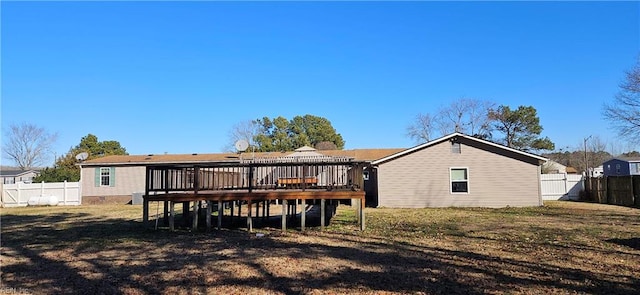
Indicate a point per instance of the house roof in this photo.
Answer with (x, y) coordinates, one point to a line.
(554, 164)
(451, 137)
(356, 154)
(626, 159)
(15, 173)
(571, 170)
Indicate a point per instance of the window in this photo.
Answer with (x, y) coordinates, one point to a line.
(105, 176)
(617, 168)
(455, 147)
(365, 175)
(459, 180)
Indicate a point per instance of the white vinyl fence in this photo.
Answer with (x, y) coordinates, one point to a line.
(561, 186)
(23, 194)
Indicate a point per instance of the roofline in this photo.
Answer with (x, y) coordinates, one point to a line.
(21, 172)
(447, 137)
(138, 163)
(630, 160)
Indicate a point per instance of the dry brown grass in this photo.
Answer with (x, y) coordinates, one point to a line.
(563, 247)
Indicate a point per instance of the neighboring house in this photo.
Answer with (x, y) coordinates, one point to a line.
(458, 170)
(553, 167)
(597, 171)
(571, 170)
(15, 176)
(621, 167)
(114, 179)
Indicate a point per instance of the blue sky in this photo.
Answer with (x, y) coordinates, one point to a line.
(175, 77)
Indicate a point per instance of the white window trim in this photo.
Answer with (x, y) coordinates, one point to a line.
(108, 184)
(451, 182)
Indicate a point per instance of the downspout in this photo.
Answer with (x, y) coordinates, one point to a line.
(80, 186)
(539, 168)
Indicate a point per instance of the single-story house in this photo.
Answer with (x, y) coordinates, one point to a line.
(596, 171)
(454, 170)
(461, 171)
(11, 176)
(553, 167)
(621, 166)
(114, 179)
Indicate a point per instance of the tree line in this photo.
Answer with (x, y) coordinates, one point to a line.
(518, 128)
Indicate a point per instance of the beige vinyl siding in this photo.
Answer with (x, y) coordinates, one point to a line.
(128, 180)
(422, 179)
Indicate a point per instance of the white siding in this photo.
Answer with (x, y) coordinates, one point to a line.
(128, 180)
(421, 179)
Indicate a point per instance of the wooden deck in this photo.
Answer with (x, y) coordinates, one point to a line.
(207, 186)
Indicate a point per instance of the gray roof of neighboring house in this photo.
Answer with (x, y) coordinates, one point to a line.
(626, 159)
(15, 173)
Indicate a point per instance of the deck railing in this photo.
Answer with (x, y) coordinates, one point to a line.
(339, 175)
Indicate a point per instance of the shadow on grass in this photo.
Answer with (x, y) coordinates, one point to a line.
(633, 243)
(76, 253)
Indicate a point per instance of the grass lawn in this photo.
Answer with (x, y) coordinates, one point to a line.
(563, 247)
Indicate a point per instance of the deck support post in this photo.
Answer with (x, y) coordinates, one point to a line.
(209, 212)
(257, 209)
(284, 215)
(233, 205)
(166, 213)
(264, 209)
(323, 211)
(362, 223)
(295, 209)
(196, 207)
(185, 213)
(220, 212)
(172, 216)
(249, 221)
(303, 214)
(145, 211)
(268, 205)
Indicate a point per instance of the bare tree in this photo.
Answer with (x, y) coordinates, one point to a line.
(244, 130)
(479, 122)
(28, 145)
(466, 115)
(597, 151)
(422, 128)
(624, 112)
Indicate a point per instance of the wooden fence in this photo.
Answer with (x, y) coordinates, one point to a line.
(19, 194)
(614, 190)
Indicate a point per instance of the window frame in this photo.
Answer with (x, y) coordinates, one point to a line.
(451, 180)
(456, 148)
(107, 175)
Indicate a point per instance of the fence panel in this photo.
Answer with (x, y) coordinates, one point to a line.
(636, 190)
(597, 190)
(561, 186)
(18, 195)
(620, 190)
